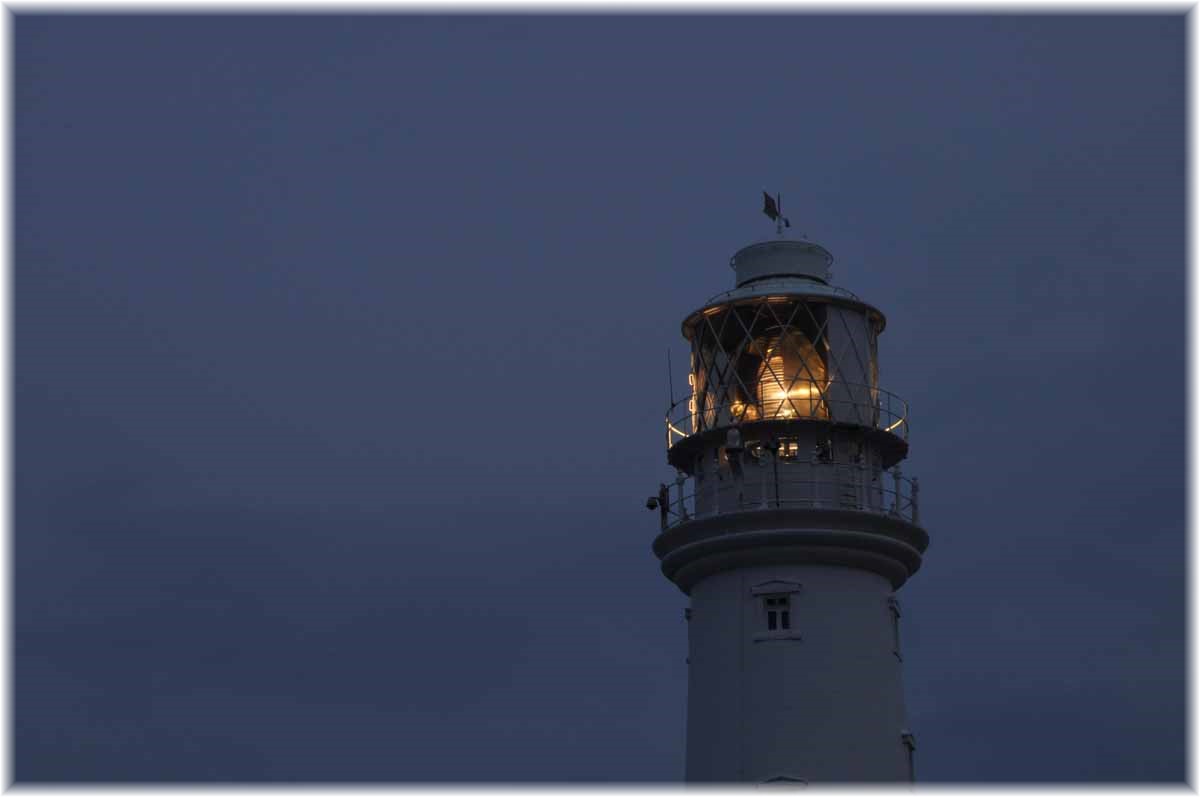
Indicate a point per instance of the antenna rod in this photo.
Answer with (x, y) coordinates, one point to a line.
(670, 383)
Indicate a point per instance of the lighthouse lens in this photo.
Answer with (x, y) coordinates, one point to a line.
(792, 377)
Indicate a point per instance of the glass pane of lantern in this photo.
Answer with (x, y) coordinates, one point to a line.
(791, 378)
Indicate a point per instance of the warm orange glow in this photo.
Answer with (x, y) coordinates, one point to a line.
(741, 411)
(791, 379)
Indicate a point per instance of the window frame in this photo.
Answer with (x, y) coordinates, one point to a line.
(774, 600)
(777, 608)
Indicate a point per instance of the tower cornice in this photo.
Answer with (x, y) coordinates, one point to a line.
(884, 544)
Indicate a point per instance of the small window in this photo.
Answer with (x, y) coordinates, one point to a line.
(778, 612)
(783, 781)
(789, 449)
(772, 601)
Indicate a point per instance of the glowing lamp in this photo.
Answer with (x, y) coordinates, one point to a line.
(791, 378)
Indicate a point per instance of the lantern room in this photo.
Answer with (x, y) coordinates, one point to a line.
(784, 346)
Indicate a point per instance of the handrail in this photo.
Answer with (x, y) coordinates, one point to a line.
(834, 402)
(791, 485)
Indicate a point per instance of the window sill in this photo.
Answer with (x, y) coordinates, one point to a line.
(770, 636)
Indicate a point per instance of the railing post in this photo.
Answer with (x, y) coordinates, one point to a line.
(814, 488)
(860, 494)
(916, 513)
(716, 483)
(775, 469)
(896, 498)
(762, 483)
(679, 481)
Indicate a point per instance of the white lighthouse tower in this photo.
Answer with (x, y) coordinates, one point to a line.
(790, 527)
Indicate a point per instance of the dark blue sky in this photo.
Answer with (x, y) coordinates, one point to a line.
(339, 378)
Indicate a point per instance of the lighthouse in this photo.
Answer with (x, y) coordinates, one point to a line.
(790, 526)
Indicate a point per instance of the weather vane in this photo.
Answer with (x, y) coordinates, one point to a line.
(772, 206)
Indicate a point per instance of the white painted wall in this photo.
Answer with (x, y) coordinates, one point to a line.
(825, 706)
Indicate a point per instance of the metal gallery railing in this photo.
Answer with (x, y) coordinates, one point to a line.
(839, 402)
(791, 485)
